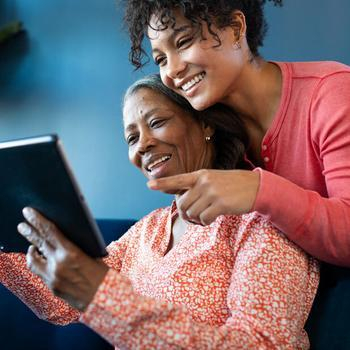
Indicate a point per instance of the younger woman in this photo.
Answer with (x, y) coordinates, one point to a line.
(297, 116)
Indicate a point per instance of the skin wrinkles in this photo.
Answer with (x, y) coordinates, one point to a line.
(154, 125)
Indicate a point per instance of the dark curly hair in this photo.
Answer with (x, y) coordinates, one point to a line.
(230, 137)
(213, 12)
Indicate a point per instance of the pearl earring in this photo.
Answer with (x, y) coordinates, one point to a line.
(207, 138)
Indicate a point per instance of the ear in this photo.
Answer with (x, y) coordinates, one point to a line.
(239, 25)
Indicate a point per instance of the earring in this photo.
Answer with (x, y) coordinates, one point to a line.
(237, 45)
(207, 138)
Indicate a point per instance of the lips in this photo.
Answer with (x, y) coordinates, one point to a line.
(192, 82)
(156, 161)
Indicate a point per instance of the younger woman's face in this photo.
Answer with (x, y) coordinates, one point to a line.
(163, 139)
(193, 64)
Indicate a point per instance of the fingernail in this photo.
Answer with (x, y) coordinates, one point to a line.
(27, 212)
(23, 229)
(151, 183)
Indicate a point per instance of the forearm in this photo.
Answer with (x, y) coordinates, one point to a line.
(319, 225)
(29, 288)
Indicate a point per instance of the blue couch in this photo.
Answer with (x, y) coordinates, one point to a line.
(21, 329)
(327, 326)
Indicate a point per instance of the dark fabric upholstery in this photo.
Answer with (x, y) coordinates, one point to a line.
(328, 325)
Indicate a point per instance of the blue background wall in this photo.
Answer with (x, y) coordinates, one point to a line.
(68, 75)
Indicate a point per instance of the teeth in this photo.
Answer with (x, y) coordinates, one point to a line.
(192, 82)
(153, 164)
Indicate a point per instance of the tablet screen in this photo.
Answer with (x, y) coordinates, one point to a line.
(35, 172)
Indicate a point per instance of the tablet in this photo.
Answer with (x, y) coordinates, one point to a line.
(34, 172)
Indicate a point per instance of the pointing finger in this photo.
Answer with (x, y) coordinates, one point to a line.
(176, 184)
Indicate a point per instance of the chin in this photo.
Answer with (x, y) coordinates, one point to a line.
(200, 105)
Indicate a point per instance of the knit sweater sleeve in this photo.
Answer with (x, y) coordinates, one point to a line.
(320, 225)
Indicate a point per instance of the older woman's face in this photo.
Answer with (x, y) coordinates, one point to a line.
(163, 139)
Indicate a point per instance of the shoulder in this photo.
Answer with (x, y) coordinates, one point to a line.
(255, 232)
(245, 226)
(318, 70)
(323, 88)
(330, 101)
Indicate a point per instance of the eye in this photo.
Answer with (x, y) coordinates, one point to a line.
(155, 123)
(131, 139)
(160, 60)
(184, 42)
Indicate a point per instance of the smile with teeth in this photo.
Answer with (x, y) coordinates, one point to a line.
(156, 162)
(193, 82)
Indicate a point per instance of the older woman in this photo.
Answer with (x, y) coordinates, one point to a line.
(167, 283)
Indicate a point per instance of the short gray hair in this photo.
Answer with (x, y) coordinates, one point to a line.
(230, 137)
(154, 82)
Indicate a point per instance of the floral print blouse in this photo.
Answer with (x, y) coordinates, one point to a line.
(235, 284)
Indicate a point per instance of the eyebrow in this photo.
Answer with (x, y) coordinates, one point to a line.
(175, 32)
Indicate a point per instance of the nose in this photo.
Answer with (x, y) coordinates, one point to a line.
(146, 143)
(176, 65)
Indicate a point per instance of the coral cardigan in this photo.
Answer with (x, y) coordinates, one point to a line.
(305, 183)
(237, 283)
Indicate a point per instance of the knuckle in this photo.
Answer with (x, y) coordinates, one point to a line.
(30, 264)
(62, 256)
(205, 177)
(203, 219)
(189, 213)
(211, 195)
(182, 207)
(223, 205)
(203, 173)
(206, 219)
(65, 258)
(30, 260)
(48, 227)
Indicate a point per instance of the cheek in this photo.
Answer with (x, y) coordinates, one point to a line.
(165, 79)
(133, 158)
(192, 144)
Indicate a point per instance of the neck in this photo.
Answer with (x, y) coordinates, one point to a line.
(256, 95)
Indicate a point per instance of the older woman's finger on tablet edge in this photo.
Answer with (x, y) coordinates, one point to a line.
(45, 228)
(33, 237)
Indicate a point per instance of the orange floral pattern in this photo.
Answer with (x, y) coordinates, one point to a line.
(236, 284)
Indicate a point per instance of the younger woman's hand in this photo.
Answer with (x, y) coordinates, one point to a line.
(66, 270)
(203, 195)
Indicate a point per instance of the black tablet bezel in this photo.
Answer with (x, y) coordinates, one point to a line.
(35, 172)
